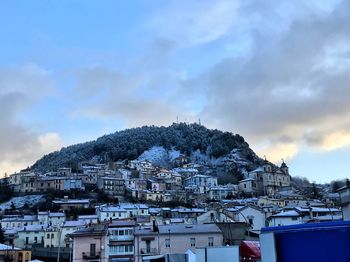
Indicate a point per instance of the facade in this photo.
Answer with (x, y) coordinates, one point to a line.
(111, 185)
(344, 194)
(90, 244)
(107, 213)
(14, 254)
(173, 239)
(121, 240)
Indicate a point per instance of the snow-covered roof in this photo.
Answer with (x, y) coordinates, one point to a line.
(4, 247)
(58, 214)
(74, 223)
(246, 180)
(291, 213)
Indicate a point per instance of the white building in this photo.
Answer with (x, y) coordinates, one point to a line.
(106, 213)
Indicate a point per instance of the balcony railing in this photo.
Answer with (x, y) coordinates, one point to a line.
(149, 251)
(88, 255)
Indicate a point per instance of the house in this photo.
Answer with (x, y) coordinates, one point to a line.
(121, 240)
(89, 219)
(175, 238)
(29, 235)
(248, 185)
(51, 218)
(202, 181)
(111, 185)
(67, 204)
(19, 221)
(285, 218)
(344, 194)
(106, 213)
(14, 254)
(90, 244)
(300, 215)
(253, 215)
(221, 192)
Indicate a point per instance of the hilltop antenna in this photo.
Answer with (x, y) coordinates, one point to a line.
(177, 119)
(282, 160)
(199, 121)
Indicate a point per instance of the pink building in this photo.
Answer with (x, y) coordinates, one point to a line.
(90, 244)
(173, 239)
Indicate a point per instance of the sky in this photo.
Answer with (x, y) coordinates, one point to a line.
(275, 72)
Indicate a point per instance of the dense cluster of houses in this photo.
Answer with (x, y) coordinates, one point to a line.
(141, 180)
(146, 231)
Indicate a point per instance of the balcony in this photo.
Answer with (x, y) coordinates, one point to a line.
(149, 251)
(88, 255)
(121, 238)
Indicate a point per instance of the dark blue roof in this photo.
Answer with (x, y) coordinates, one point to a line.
(307, 226)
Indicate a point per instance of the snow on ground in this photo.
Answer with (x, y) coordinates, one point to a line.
(19, 202)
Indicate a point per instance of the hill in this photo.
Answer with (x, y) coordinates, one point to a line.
(225, 153)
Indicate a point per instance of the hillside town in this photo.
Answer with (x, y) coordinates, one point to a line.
(135, 211)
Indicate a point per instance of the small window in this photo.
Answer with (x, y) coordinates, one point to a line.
(121, 232)
(167, 242)
(48, 236)
(193, 242)
(210, 241)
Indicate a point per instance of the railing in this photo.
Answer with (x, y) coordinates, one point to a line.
(121, 238)
(88, 255)
(149, 251)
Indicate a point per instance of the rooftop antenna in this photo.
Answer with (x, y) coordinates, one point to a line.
(265, 157)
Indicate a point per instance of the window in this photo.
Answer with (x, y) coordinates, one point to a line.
(121, 232)
(52, 235)
(210, 241)
(27, 240)
(35, 239)
(193, 242)
(250, 221)
(92, 249)
(48, 236)
(167, 242)
(294, 218)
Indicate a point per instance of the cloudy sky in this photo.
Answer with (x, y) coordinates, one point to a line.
(276, 72)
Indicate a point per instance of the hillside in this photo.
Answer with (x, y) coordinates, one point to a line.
(225, 152)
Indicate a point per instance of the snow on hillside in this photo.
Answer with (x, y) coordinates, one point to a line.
(157, 155)
(19, 202)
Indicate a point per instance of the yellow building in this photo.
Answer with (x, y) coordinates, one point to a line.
(10, 253)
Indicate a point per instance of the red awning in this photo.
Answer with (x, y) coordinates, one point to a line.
(250, 249)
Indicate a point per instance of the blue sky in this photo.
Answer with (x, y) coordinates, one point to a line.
(276, 73)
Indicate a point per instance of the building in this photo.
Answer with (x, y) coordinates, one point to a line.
(107, 213)
(121, 240)
(14, 254)
(66, 204)
(111, 185)
(270, 179)
(90, 244)
(344, 194)
(176, 238)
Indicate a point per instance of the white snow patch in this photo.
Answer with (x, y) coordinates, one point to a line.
(19, 202)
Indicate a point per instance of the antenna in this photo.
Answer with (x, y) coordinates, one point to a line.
(199, 121)
(265, 157)
(177, 119)
(282, 160)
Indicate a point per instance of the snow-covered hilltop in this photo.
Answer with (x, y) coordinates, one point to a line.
(223, 153)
